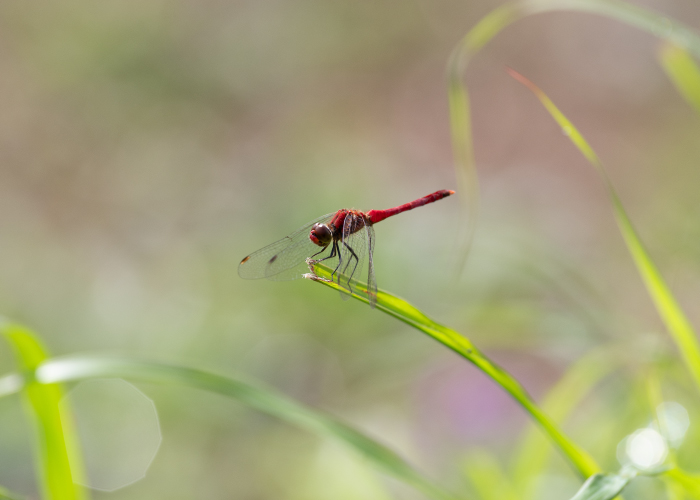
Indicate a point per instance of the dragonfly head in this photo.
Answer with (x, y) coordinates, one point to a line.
(321, 235)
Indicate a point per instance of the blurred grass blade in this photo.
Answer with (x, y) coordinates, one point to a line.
(52, 435)
(488, 478)
(577, 383)
(265, 400)
(467, 178)
(605, 486)
(484, 31)
(668, 308)
(5, 494)
(682, 71)
(403, 311)
(688, 483)
(674, 491)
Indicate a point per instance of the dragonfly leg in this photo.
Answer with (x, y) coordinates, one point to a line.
(340, 261)
(357, 262)
(323, 250)
(332, 254)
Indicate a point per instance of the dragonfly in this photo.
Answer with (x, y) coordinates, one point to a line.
(343, 238)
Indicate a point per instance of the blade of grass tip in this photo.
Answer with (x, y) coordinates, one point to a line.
(262, 399)
(605, 486)
(55, 471)
(580, 460)
(682, 70)
(666, 305)
(560, 401)
(482, 33)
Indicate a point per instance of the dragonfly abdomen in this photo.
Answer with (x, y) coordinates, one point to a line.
(379, 215)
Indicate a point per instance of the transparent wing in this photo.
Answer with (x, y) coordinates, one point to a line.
(284, 259)
(371, 280)
(352, 249)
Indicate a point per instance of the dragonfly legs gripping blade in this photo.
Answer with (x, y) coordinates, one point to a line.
(312, 275)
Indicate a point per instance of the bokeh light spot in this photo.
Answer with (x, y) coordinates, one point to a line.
(118, 429)
(673, 421)
(646, 448)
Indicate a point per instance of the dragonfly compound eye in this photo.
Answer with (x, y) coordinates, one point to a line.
(321, 235)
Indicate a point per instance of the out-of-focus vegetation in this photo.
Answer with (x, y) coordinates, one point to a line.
(147, 147)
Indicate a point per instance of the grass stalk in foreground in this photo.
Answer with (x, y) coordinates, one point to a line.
(668, 308)
(580, 460)
(44, 375)
(53, 436)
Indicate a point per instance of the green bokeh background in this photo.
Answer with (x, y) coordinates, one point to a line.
(145, 148)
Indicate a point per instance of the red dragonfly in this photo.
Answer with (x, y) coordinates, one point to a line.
(347, 235)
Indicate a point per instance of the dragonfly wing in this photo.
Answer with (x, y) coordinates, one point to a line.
(371, 280)
(353, 247)
(290, 263)
(283, 259)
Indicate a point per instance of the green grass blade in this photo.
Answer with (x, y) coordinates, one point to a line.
(265, 400)
(6, 494)
(668, 308)
(605, 486)
(403, 311)
(488, 478)
(54, 472)
(484, 31)
(682, 71)
(561, 400)
(686, 482)
(463, 151)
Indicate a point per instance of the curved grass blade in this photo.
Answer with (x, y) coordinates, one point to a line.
(561, 400)
(668, 308)
(682, 71)
(605, 486)
(484, 31)
(403, 311)
(5, 494)
(72, 369)
(488, 478)
(53, 435)
(686, 482)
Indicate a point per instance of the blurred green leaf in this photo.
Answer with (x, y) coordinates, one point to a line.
(51, 372)
(683, 481)
(682, 71)
(6, 494)
(605, 486)
(674, 491)
(402, 310)
(52, 435)
(668, 308)
(488, 478)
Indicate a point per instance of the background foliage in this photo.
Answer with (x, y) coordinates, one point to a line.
(147, 147)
